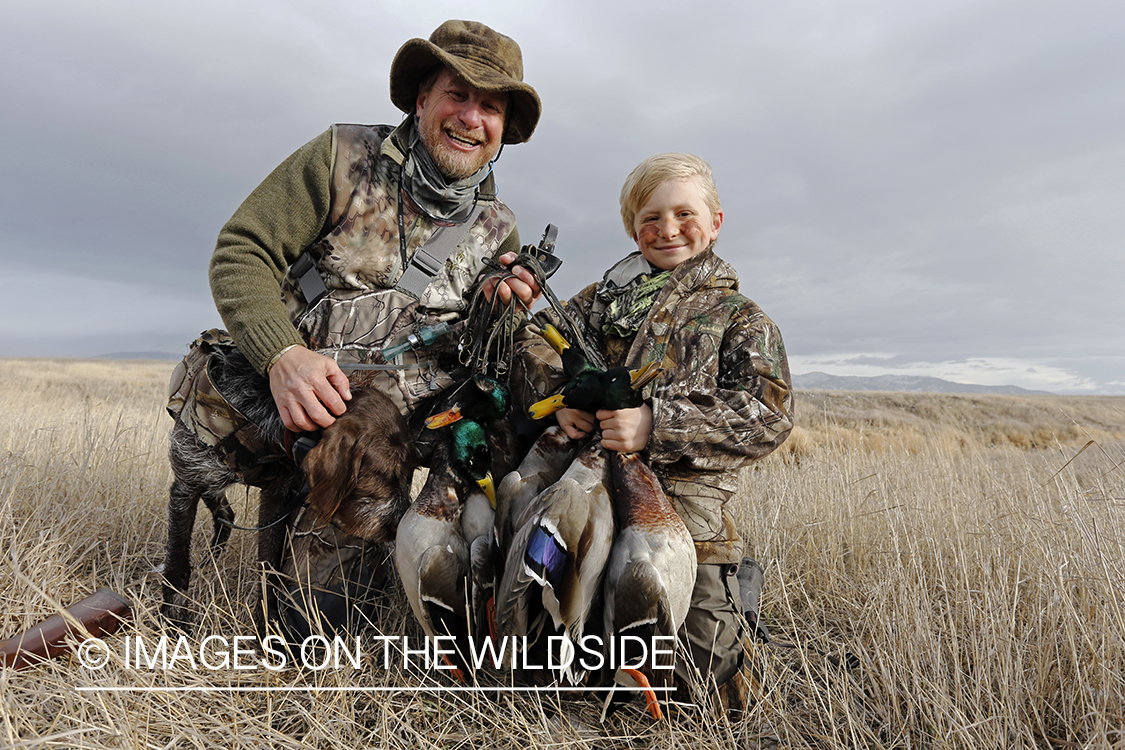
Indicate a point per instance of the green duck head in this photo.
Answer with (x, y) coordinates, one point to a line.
(494, 399)
(489, 399)
(472, 456)
(574, 361)
(616, 388)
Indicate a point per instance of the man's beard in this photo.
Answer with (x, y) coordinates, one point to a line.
(454, 164)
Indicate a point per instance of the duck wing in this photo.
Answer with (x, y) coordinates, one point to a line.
(477, 516)
(442, 580)
(555, 563)
(548, 458)
(433, 563)
(433, 560)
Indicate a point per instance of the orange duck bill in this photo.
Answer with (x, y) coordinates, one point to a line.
(554, 338)
(444, 418)
(641, 377)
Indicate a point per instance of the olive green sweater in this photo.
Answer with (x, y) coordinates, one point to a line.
(273, 226)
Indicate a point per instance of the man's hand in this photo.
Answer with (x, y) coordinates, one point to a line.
(625, 430)
(309, 389)
(575, 422)
(522, 285)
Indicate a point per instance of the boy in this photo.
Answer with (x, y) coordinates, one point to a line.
(722, 401)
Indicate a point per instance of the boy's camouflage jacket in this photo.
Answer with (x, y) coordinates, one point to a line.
(723, 400)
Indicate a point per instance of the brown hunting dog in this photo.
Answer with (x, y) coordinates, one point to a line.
(358, 477)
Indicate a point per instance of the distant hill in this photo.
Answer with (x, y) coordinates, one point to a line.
(140, 355)
(908, 383)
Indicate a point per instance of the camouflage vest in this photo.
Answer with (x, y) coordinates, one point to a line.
(360, 262)
(197, 404)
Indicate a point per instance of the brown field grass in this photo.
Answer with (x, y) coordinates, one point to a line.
(964, 554)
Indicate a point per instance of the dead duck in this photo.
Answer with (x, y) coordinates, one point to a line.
(553, 570)
(548, 458)
(649, 578)
(432, 552)
(485, 401)
(591, 388)
(447, 582)
(481, 398)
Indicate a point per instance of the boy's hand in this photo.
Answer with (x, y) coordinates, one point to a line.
(625, 430)
(575, 422)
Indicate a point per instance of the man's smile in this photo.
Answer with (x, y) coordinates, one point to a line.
(462, 139)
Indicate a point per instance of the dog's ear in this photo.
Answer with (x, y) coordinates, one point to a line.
(359, 474)
(331, 468)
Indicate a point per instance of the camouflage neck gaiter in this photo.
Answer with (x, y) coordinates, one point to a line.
(627, 306)
(441, 199)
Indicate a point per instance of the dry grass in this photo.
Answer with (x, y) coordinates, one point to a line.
(966, 552)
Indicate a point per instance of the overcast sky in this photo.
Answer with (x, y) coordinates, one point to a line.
(930, 188)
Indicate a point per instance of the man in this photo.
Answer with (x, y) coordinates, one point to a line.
(363, 238)
(360, 201)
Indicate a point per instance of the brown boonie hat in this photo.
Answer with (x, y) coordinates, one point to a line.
(484, 58)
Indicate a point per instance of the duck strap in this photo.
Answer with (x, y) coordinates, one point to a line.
(488, 341)
(481, 332)
(593, 355)
(542, 262)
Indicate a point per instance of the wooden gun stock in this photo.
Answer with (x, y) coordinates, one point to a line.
(100, 614)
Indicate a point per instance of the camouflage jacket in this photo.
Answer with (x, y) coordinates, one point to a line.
(723, 400)
(337, 199)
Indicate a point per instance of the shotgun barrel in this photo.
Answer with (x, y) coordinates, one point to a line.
(101, 613)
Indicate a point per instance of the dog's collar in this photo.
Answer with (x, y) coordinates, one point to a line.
(298, 444)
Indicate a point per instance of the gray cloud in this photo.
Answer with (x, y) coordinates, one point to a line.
(914, 187)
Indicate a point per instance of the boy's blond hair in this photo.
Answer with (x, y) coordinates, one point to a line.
(654, 171)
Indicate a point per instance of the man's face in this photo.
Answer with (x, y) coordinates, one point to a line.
(459, 125)
(675, 224)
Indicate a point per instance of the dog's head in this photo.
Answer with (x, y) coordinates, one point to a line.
(360, 472)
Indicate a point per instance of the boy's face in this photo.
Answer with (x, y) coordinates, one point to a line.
(675, 224)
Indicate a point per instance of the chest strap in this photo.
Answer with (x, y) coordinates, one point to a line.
(427, 262)
(429, 259)
(308, 277)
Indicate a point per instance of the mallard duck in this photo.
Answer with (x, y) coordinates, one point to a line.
(450, 517)
(574, 360)
(554, 566)
(548, 458)
(591, 388)
(649, 577)
(486, 401)
(481, 398)
(431, 549)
